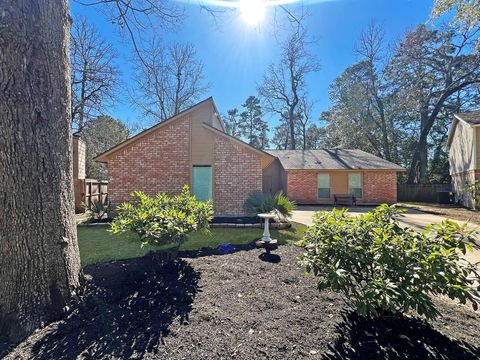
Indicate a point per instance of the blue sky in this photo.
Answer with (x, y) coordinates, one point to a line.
(236, 55)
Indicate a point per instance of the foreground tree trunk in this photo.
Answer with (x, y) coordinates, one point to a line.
(39, 258)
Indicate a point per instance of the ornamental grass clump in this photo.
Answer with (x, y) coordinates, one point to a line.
(259, 203)
(384, 269)
(163, 220)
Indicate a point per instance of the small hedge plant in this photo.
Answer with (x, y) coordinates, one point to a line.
(98, 209)
(473, 188)
(260, 203)
(162, 219)
(384, 269)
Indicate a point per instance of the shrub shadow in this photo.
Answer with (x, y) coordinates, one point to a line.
(394, 338)
(126, 311)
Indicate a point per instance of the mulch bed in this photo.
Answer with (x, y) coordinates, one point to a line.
(236, 306)
(237, 220)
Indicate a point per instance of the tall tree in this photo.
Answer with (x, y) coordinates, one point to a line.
(281, 135)
(284, 85)
(39, 257)
(466, 12)
(252, 126)
(94, 77)
(101, 134)
(362, 102)
(429, 68)
(232, 122)
(303, 122)
(315, 137)
(167, 80)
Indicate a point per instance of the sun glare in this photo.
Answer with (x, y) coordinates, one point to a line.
(253, 11)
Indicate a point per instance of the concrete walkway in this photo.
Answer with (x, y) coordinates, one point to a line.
(415, 219)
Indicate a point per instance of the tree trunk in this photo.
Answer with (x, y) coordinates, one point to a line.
(419, 163)
(291, 123)
(39, 258)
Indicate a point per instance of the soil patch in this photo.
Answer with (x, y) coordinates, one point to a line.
(236, 306)
(453, 212)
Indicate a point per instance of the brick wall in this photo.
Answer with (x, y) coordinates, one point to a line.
(79, 155)
(380, 187)
(302, 186)
(237, 173)
(158, 162)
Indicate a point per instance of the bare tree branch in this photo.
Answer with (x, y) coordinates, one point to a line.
(167, 79)
(94, 76)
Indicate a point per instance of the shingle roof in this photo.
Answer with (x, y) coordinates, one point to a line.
(471, 117)
(332, 159)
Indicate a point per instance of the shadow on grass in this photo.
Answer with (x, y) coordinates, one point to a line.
(127, 310)
(394, 338)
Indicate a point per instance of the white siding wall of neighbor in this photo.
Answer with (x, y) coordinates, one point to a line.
(462, 154)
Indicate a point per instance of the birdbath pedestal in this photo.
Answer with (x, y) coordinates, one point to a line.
(266, 241)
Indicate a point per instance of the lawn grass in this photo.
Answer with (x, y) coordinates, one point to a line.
(98, 245)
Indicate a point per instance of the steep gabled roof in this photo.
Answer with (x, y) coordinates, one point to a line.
(103, 157)
(332, 159)
(471, 118)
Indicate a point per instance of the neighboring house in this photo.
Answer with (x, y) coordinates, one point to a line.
(464, 153)
(192, 148)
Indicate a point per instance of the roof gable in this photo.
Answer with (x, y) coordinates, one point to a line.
(470, 118)
(104, 156)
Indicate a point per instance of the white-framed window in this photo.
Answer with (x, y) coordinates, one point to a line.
(323, 182)
(355, 185)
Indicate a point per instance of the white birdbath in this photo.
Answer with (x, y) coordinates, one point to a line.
(266, 231)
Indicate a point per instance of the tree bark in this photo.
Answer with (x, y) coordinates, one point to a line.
(39, 257)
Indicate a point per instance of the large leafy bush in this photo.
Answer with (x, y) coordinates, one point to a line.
(382, 268)
(258, 203)
(163, 219)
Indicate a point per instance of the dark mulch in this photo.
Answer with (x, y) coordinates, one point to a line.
(237, 220)
(237, 306)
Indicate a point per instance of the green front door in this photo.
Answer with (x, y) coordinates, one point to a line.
(202, 182)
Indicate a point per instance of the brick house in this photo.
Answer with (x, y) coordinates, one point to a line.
(464, 154)
(193, 148)
(315, 176)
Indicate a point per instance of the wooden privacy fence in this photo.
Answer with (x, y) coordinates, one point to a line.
(88, 191)
(421, 192)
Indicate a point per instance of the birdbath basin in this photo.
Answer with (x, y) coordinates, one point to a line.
(267, 242)
(266, 230)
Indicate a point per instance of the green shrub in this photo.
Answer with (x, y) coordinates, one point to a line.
(258, 203)
(163, 220)
(382, 268)
(473, 188)
(97, 208)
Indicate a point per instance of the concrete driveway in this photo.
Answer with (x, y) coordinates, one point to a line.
(415, 219)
